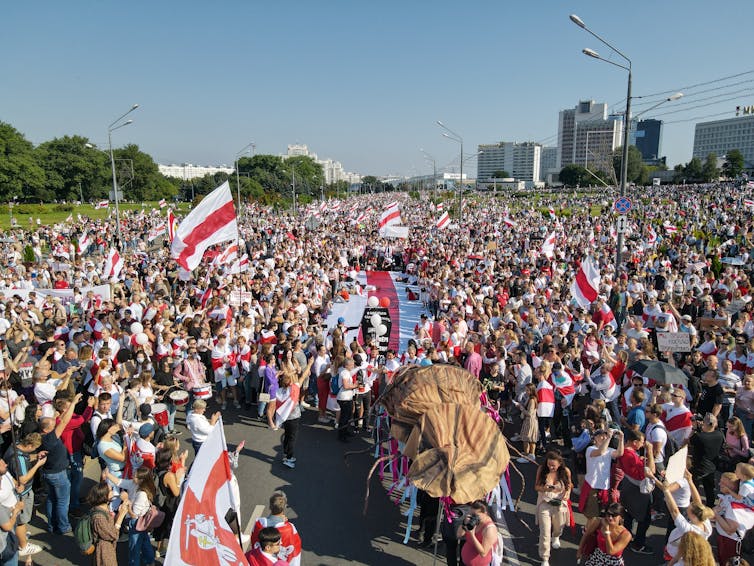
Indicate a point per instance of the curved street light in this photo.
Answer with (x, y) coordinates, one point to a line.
(116, 125)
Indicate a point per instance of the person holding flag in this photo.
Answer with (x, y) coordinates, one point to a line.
(290, 540)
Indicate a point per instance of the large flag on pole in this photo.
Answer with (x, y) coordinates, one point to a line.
(213, 221)
(443, 221)
(172, 225)
(548, 247)
(200, 535)
(113, 265)
(586, 285)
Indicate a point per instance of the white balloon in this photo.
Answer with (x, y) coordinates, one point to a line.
(142, 339)
(381, 330)
(373, 301)
(136, 328)
(376, 320)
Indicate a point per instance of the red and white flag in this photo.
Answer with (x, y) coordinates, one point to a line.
(201, 535)
(212, 221)
(239, 265)
(113, 265)
(586, 284)
(677, 421)
(172, 226)
(509, 222)
(748, 202)
(605, 316)
(440, 207)
(551, 212)
(156, 232)
(548, 246)
(651, 236)
(392, 205)
(163, 203)
(389, 217)
(102, 204)
(443, 221)
(545, 399)
(361, 217)
(228, 255)
(750, 184)
(670, 229)
(83, 244)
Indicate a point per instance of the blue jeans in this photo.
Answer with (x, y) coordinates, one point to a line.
(58, 498)
(140, 549)
(75, 475)
(11, 561)
(747, 422)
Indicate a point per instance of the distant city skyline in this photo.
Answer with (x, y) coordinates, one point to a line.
(363, 84)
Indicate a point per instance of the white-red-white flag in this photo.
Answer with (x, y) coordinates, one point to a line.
(443, 221)
(509, 222)
(586, 285)
(440, 207)
(548, 247)
(227, 256)
(212, 221)
(102, 204)
(83, 245)
(748, 202)
(113, 265)
(551, 212)
(163, 203)
(172, 226)
(651, 236)
(200, 535)
(391, 205)
(670, 229)
(156, 232)
(389, 217)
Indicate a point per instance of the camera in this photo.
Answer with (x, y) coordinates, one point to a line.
(470, 522)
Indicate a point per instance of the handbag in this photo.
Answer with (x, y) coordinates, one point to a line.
(150, 520)
(263, 397)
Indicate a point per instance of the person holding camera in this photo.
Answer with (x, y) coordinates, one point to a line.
(553, 486)
(605, 539)
(480, 534)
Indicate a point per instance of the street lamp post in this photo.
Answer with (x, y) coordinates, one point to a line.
(428, 157)
(253, 146)
(110, 129)
(451, 135)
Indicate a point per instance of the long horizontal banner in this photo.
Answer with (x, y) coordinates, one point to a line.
(102, 292)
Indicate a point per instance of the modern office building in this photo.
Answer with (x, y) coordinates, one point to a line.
(646, 135)
(720, 136)
(587, 134)
(520, 160)
(548, 164)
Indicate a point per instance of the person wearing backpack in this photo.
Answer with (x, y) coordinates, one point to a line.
(657, 435)
(103, 528)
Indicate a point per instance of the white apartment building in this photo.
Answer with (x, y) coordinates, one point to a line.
(521, 160)
(332, 170)
(586, 134)
(187, 171)
(720, 136)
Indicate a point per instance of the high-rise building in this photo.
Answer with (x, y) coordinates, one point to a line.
(586, 134)
(548, 163)
(720, 136)
(333, 170)
(520, 160)
(646, 135)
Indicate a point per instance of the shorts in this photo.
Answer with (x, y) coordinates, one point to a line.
(25, 516)
(362, 399)
(225, 380)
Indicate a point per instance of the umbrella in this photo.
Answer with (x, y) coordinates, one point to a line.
(660, 372)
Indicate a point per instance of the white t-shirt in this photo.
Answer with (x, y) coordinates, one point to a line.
(682, 495)
(345, 378)
(657, 433)
(682, 526)
(598, 468)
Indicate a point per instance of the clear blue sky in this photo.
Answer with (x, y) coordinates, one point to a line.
(362, 82)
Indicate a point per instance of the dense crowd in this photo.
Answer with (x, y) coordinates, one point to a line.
(97, 367)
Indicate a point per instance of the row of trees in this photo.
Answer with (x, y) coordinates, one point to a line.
(695, 171)
(71, 168)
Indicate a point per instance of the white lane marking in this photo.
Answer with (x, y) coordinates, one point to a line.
(510, 556)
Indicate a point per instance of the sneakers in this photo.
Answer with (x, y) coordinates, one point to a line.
(236, 404)
(644, 549)
(29, 549)
(292, 459)
(305, 405)
(555, 543)
(545, 563)
(289, 463)
(224, 406)
(323, 420)
(522, 460)
(176, 432)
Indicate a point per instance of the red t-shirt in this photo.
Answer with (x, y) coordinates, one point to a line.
(632, 464)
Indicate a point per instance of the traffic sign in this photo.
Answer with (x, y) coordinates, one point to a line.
(622, 205)
(621, 225)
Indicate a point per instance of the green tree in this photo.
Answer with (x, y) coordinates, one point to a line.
(734, 163)
(309, 174)
(20, 175)
(633, 173)
(710, 171)
(572, 175)
(693, 170)
(501, 174)
(147, 182)
(73, 170)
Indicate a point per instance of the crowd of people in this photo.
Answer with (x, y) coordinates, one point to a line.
(96, 366)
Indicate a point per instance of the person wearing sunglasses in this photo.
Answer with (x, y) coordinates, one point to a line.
(604, 539)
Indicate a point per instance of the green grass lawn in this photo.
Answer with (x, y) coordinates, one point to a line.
(48, 214)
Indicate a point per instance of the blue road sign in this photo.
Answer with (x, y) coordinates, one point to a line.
(622, 205)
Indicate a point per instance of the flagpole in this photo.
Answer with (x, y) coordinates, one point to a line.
(233, 501)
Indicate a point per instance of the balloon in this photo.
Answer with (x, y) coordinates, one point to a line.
(142, 339)
(381, 330)
(385, 302)
(373, 301)
(136, 328)
(376, 320)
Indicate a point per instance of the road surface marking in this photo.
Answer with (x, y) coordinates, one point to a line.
(510, 556)
(256, 514)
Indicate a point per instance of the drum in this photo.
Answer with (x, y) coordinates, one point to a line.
(178, 398)
(160, 413)
(203, 392)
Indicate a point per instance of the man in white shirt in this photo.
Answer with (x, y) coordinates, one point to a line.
(597, 478)
(198, 425)
(347, 385)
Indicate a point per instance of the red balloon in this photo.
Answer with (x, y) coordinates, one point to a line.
(385, 302)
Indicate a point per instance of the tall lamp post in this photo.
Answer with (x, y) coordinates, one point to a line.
(451, 135)
(253, 146)
(117, 124)
(428, 157)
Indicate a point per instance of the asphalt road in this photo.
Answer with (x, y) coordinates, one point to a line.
(326, 496)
